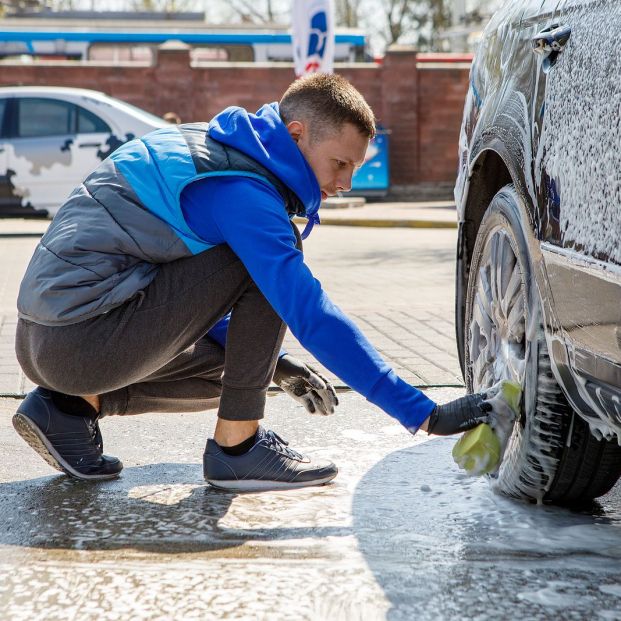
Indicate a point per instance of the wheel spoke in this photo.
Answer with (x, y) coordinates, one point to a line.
(516, 320)
(480, 371)
(504, 267)
(493, 263)
(484, 293)
(516, 364)
(513, 289)
(482, 319)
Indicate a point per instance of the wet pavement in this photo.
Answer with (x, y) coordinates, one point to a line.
(401, 534)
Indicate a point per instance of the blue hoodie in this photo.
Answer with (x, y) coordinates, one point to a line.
(249, 215)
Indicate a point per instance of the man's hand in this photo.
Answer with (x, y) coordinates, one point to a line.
(305, 385)
(459, 415)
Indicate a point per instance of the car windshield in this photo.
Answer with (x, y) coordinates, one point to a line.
(135, 110)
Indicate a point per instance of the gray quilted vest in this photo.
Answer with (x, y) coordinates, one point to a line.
(105, 243)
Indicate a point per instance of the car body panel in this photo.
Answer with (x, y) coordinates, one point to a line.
(555, 127)
(580, 197)
(38, 172)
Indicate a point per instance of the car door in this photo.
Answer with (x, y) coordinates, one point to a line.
(6, 195)
(40, 152)
(91, 143)
(576, 164)
(55, 145)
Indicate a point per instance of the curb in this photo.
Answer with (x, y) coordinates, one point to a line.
(381, 223)
(325, 221)
(273, 390)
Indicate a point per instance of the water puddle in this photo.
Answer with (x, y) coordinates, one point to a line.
(452, 548)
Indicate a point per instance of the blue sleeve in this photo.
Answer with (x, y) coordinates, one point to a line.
(250, 217)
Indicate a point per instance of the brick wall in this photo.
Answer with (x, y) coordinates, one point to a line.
(441, 94)
(420, 103)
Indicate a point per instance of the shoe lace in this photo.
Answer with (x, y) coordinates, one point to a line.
(96, 437)
(274, 441)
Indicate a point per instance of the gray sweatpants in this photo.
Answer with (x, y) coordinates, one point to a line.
(152, 354)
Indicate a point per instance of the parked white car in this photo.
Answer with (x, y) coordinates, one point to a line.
(51, 138)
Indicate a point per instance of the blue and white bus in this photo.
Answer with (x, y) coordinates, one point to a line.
(134, 40)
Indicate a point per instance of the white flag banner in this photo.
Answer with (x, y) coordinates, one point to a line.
(313, 36)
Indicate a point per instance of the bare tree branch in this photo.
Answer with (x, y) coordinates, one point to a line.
(250, 12)
(347, 13)
(21, 6)
(165, 6)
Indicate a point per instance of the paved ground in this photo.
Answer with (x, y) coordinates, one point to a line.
(160, 544)
(396, 283)
(400, 534)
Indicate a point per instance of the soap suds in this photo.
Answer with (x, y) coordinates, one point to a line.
(611, 589)
(507, 341)
(557, 594)
(579, 145)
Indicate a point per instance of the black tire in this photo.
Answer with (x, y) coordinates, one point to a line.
(551, 455)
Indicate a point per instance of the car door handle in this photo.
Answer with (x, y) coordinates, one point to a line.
(86, 145)
(551, 41)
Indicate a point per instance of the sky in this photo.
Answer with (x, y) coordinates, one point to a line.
(227, 11)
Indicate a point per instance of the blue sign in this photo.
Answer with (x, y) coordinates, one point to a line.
(319, 32)
(373, 176)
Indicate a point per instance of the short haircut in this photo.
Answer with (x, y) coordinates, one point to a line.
(326, 102)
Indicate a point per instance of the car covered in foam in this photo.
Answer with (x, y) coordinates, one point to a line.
(51, 138)
(539, 248)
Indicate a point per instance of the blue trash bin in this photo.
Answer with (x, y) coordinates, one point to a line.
(373, 178)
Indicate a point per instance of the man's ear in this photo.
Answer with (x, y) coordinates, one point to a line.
(296, 130)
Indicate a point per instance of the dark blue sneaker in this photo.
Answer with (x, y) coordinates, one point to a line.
(269, 464)
(69, 443)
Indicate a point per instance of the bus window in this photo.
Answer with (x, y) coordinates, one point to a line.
(240, 53)
(207, 54)
(232, 53)
(121, 53)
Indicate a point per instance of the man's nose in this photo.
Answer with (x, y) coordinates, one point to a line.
(344, 183)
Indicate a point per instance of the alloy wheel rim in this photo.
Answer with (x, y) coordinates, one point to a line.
(497, 329)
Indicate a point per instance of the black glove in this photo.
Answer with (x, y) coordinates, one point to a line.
(305, 385)
(459, 415)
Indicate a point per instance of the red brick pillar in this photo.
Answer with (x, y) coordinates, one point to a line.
(174, 80)
(400, 112)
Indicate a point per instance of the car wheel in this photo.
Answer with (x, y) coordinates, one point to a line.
(551, 455)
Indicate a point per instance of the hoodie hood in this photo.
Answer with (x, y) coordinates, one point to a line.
(264, 137)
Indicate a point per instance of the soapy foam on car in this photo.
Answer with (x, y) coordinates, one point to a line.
(530, 452)
(529, 465)
(579, 146)
(581, 131)
(504, 398)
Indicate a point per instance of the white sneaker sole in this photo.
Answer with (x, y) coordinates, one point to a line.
(256, 485)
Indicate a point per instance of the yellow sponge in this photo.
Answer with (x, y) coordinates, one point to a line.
(511, 393)
(478, 450)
